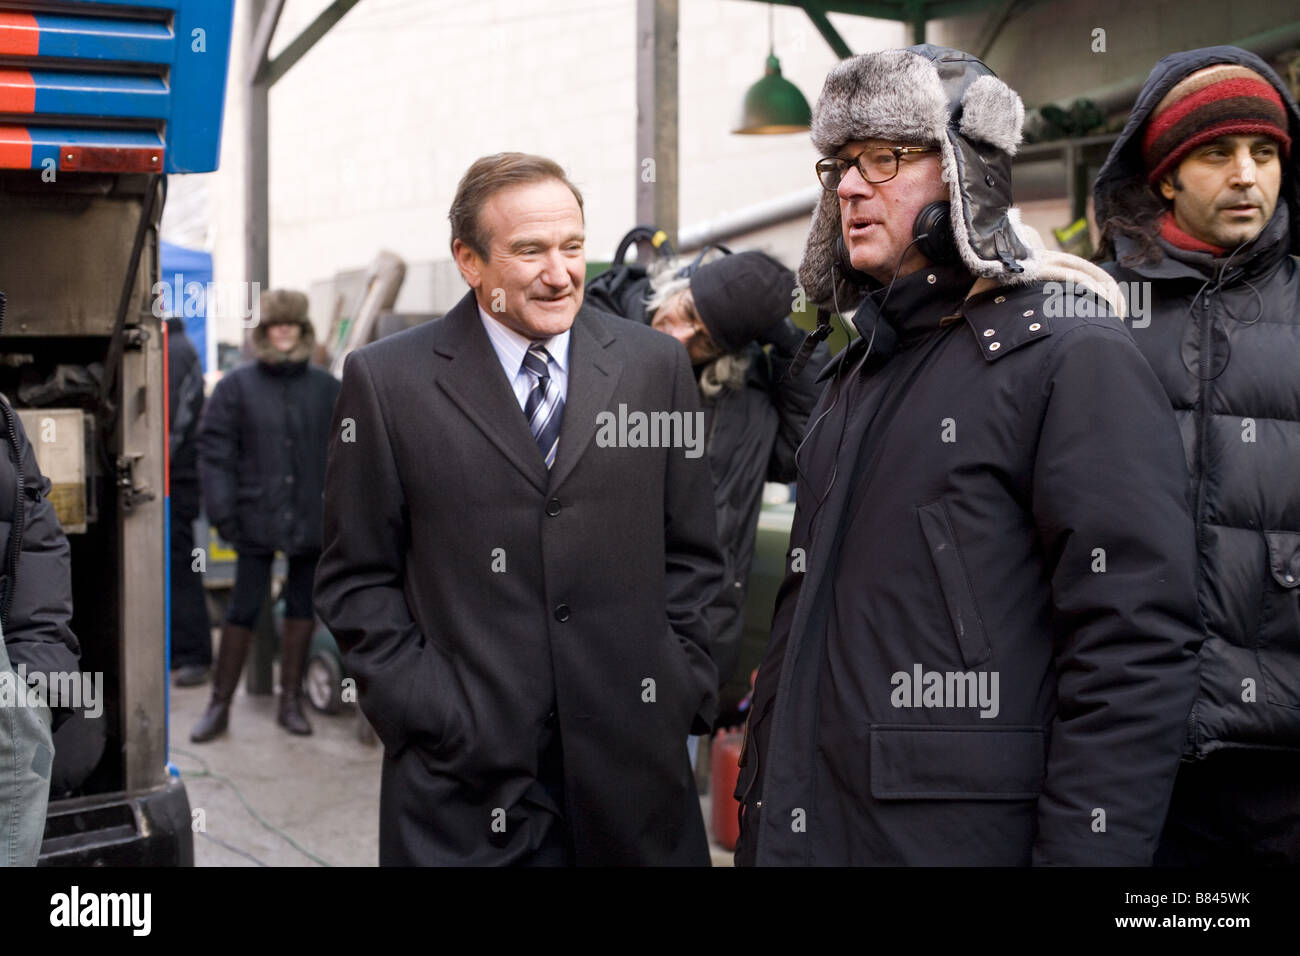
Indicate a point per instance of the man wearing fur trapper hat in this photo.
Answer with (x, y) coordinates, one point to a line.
(985, 650)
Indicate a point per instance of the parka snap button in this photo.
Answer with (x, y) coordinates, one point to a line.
(562, 613)
(1035, 326)
(553, 507)
(994, 346)
(1000, 299)
(1028, 312)
(989, 333)
(931, 279)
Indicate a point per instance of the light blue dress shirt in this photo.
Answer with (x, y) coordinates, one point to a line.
(511, 347)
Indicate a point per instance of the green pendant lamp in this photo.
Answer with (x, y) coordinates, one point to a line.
(774, 104)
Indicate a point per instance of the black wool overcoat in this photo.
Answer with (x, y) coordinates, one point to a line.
(485, 603)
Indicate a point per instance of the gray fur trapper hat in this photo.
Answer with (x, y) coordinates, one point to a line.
(927, 95)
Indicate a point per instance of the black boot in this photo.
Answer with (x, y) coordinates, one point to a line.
(293, 658)
(235, 641)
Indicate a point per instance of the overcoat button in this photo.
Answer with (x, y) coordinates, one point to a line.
(994, 346)
(562, 613)
(553, 507)
(988, 333)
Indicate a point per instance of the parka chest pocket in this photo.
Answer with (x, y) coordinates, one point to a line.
(954, 584)
(1278, 648)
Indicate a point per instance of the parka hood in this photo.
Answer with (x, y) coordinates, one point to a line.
(281, 306)
(263, 352)
(1124, 165)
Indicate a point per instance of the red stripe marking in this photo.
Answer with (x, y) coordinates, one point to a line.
(15, 147)
(19, 34)
(17, 92)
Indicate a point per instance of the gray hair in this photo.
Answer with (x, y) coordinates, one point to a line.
(663, 286)
(727, 371)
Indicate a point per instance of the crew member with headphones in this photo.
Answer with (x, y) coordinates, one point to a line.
(984, 652)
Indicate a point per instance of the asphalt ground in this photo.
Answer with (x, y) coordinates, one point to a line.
(268, 798)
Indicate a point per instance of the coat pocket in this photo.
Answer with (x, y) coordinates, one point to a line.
(435, 709)
(954, 584)
(686, 690)
(957, 763)
(1278, 648)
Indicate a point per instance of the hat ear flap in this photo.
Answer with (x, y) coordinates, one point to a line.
(816, 267)
(992, 113)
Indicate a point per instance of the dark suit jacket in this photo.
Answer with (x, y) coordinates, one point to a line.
(484, 603)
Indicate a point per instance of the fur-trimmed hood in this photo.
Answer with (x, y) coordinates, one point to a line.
(928, 95)
(1062, 267)
(301, 352)
(281, 306)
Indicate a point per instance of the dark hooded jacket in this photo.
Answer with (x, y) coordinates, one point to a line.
(185, 410)
(35, 562)
(262, 448)
(752, 430)
(995, 496)
(1223, 336)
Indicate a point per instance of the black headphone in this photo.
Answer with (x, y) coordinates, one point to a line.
(931, 234)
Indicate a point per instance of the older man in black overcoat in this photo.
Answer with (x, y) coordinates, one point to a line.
(515, 570)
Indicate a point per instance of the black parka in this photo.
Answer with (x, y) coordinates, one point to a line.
(262, 449)
(185, 411)
(752, 432)
(35, 562)
(1223, 336)
(998, 492)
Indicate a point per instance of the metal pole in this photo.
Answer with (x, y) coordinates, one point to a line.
(257, 262)
(656, 116)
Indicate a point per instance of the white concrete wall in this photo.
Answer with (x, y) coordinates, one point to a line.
(372, 130)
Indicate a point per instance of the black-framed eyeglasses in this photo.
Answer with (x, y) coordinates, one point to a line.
(876, 165)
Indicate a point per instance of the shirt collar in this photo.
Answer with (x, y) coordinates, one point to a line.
(511, 346)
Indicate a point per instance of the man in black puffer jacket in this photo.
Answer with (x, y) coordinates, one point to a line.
(1200, 207)
(262, 451)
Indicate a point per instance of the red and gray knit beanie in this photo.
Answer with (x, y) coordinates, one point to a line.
(1220, 100)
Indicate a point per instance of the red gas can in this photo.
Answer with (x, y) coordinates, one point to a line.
(725, 771)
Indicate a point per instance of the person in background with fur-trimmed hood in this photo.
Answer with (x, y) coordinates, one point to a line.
(732, 314)
(262, 449)
(985, 651)
(1200, 200)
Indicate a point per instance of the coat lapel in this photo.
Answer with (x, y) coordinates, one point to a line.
(476, 382)
(594, 372)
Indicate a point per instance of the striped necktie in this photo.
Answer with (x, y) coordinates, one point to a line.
(545, 405)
